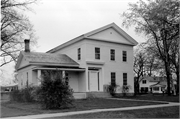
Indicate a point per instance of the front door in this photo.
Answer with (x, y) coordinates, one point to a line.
(93, 80)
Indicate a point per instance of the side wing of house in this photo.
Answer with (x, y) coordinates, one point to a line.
(24, 72)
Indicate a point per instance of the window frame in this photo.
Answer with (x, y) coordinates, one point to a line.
(124, 56)
(125, 75)
(79, 53)
(113, 78)
(112, 54)
(97, 53)
(143, 81)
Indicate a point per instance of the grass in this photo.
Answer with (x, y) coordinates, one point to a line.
(155, 97)
(22, 109)
(165, 112)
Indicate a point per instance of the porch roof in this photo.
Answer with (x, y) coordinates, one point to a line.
(61, 69)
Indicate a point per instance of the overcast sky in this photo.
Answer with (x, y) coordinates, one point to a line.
(57, 21)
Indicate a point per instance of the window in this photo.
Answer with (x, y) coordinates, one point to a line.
(156, 88)
(79, 53)
(97, 53)
(124, 56)
(144, 82)
(67, 78)
(124, 78)
(113, 78)
(112, 51)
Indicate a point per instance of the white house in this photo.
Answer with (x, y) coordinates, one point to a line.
(90, 62)
(152, 84)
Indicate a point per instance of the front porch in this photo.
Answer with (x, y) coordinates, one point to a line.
(72, 76)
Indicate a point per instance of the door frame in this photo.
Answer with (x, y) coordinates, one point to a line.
(98, 80)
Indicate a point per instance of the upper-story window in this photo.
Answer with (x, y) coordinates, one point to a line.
(97, 53)
(144, 81)
(113, 78)
(124, 78)
(79, 53)
(124, 56)
(112, 51)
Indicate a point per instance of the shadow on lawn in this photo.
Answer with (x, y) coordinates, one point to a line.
(154, 97)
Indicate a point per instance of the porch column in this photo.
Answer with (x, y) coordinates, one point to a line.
(39, 77)
(63, 76)
(87, 79)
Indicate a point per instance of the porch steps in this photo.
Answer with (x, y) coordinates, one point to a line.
(98, 95)
(79, 95)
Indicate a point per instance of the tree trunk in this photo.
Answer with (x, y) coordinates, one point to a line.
(177, 86)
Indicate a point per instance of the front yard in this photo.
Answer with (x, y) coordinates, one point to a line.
(155, 97)
(11, 109)
(165, 112)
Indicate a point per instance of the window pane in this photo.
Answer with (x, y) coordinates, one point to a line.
(79, 53)
(124, 78)
(124, 56)
(113, 78)
(97, 53)
(112, 54)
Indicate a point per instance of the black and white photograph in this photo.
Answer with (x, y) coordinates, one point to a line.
(62, 59)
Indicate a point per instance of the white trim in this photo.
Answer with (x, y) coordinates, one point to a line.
(96, 62)
(113, 25)
(62, 69)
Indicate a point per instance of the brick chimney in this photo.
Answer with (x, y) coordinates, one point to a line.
(26, 41)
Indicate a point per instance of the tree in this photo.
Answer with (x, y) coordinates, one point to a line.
(14, 25)
(159, 21)
(138, 67)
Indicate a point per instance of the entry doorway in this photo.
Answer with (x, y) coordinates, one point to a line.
(93, 80)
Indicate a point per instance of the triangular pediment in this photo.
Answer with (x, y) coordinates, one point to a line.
(110, 34)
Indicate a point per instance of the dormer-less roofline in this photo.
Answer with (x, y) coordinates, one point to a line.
(87, 35)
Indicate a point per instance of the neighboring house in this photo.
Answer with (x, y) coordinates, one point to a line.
(9, 88)
(152, 84)
(89, 62)
(159, 87)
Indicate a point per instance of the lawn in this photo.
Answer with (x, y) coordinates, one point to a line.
(155, 97)
(20, 109)
(165, 112)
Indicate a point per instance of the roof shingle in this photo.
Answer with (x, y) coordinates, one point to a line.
(48, 58)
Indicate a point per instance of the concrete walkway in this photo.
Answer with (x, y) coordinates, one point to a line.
(40, 116)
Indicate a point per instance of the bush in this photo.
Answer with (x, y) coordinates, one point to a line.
(112, 89)
(125, 89)
(16, 95)
(54, 93)
(23, 95)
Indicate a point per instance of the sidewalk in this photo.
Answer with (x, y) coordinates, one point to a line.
(91, 111)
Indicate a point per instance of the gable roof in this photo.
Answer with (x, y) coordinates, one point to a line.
(153, 79)
(87, 36)
(46, 59)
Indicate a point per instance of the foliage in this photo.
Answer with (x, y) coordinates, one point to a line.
(159, 21)
(112, 89)
(14, 26)
(125, 89)
(23, 95)
(54, 93)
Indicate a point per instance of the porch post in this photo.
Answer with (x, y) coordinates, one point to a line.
(39, 77)
(87, 79)
(63, 76)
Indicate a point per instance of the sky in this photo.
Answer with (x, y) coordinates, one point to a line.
(58, 21)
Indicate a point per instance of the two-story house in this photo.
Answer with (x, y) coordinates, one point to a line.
(90, 62)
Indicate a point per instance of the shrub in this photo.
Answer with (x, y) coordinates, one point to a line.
(112, 89)
(125, 89)
(54, 93)
(23, 95)
(16, 95)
